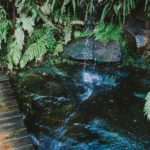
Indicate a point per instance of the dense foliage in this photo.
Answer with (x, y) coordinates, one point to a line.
(31, 28)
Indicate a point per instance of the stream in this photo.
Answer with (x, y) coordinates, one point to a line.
(73, 107)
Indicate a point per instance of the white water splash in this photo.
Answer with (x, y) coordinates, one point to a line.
(86, 94)
(89, 77)
(95, 79)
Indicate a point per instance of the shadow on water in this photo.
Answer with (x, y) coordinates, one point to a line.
(71, 108)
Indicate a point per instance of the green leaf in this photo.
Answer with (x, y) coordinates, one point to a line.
(14, 54)
(20, 5)
(68, 33)
(44, 44)
(53, 5)
(147, 106)
(27, 23)
(58, 49)
(64, 6)
(74, 6)
(19, 36)
(46, 8)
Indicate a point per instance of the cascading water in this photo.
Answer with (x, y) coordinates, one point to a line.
(87, 78)
(88, 53)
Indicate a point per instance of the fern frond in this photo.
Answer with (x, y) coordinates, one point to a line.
(59, 48)
(27, 23)
(67, 33)
(4, 26)
(34, 51)
(147, 106)
(39, 48)
(64, 5)
(19, 37)
(14, 54)
(45, 8)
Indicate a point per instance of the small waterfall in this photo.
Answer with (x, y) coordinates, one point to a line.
(87, 78)
(88, 52)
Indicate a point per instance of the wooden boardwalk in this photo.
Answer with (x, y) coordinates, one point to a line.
(13, 133)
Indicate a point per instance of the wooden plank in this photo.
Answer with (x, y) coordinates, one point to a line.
(13, 133)
(18, 143)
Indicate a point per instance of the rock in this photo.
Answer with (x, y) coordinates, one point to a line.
(137, 33)
(89, 49)
(143, 41)
(138, 41)
(129, 35)
(31, 79)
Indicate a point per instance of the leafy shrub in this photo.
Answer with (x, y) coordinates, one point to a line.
(4, 26)
(102, 32)
(147, 106)
(28, 22)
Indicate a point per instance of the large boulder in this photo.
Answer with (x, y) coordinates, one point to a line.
(129, 36)
(90, 49)
(143, 44)
(138, 41)
(137, 33)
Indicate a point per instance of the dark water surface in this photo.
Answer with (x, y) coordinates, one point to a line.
(76, 108)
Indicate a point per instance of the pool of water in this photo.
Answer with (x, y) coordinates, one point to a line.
(74, 107)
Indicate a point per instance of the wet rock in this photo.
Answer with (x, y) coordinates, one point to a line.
(31, 78)
(137, 33)
(89, 49)
(138, 41)
(53, 71)
(129, 35)
(143, 44)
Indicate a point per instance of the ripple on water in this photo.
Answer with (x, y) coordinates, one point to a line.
(106, 140)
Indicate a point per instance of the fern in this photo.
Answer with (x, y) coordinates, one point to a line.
(31, 19)
(67, 33)
(34, 51)
(19, 37)
(20, 4)
(4, 26)
(38, 49)
(15, 48)
(46, 8)
(82, 34)
(13, 55)
(58, 48)
(37, 34)
(147, 106)
(27, 23)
